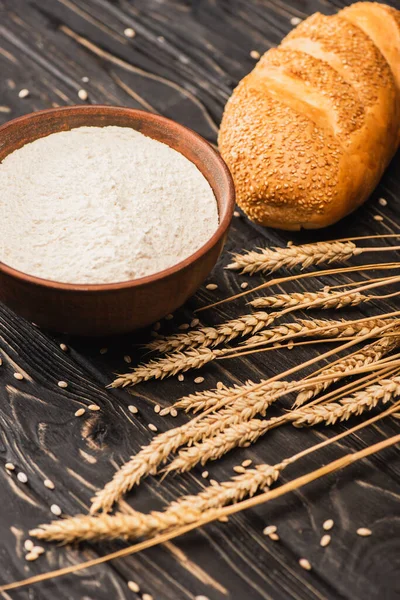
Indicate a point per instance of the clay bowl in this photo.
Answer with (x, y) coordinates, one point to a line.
(119, 307)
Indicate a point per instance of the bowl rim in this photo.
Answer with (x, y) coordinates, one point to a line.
(132, 283)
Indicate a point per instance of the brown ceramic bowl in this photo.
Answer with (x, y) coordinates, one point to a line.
(118, 307)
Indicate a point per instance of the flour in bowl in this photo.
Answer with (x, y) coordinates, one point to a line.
(101, 205)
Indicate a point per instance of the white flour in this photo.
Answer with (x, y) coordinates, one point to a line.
(101, 205)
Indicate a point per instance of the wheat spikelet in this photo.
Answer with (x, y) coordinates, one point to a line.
(170, 365)
(185, 510)
(355, 404)
(269, 260)
(371, 353)
(324, 299)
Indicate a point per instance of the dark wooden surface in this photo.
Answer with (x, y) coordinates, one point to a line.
(183, 63)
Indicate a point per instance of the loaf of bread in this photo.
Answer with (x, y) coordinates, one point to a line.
(308, 133)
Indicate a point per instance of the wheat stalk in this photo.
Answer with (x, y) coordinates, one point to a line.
(250, 431)
(268, 260)
(212, 515)
(371, 353)
(249, 324)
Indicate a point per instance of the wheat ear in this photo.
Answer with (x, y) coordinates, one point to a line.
(268, 260)
(250, 324)
(250, 431)
(326, 298)
(370, 354)
(178, 362)
(355, 404)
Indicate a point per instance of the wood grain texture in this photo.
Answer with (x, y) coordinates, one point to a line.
(183, 63)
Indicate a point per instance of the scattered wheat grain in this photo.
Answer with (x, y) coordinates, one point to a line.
(239, 469)
(325, 540)
(62, 384)
(133, 586)
(129, 32)
(22, 477)
(18, 376)
(79, 412)
(9, 466)
(133, 409)
(269, 529)
(28, 545)
(328, 524)
(48, 484)
(364, 532)
(31, 556)
(152, 427)
(82, 94)
(24, 93)
(93, 407)
(211, 286)
(64, 347)
(305, 564)
(56, 510)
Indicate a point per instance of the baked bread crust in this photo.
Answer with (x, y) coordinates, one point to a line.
(308, 133)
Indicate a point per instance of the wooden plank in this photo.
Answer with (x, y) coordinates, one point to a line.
(183, 63)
